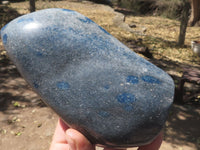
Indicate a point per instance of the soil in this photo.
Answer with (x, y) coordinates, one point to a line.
(26, 123)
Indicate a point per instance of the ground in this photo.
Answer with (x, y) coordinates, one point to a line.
(26, 123)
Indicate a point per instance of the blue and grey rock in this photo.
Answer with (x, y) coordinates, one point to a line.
(92, 81)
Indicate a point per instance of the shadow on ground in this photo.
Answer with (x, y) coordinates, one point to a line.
(182, 127)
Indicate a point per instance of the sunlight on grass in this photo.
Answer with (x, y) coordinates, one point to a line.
(162, 35)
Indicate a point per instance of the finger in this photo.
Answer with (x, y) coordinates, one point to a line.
(59, 135)
(77, 141)
(59, 146)
(155, 145)
(59, 139)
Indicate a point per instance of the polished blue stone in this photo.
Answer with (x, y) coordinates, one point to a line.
(91, 80)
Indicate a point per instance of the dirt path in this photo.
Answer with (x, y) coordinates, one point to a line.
(27, 124)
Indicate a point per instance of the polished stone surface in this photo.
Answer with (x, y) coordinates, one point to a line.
(94, 82)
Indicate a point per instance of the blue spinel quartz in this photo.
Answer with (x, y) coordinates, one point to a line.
(91, 80)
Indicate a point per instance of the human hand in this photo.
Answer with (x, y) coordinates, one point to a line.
(66, 138)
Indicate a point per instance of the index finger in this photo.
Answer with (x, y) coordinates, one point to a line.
(59, 138)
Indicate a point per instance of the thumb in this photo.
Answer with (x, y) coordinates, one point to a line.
(77, 141)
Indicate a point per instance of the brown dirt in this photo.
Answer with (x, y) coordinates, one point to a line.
(27, 124)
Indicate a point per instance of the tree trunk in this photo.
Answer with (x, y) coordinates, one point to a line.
(184, 23)
(32, 5)
(195, 12)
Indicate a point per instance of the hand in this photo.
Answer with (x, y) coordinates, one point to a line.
(66, 138)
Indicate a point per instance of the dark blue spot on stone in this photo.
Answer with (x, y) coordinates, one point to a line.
(86, 20)
(5, 37)
(68, 10)
(126, 98)
(104, 30)
(150, 79)
(35, 85)
(106, 87)
(63, 85)
(132, 79)
(25, 20)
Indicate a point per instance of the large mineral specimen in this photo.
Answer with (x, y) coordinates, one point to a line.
(91, 80)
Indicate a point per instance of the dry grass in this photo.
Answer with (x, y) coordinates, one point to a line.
(162, 35)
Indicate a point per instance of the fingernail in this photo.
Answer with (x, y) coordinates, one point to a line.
(70, 141)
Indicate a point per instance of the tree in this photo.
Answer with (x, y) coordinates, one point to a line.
(195, 12)
(32, 5)
(184, 22)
